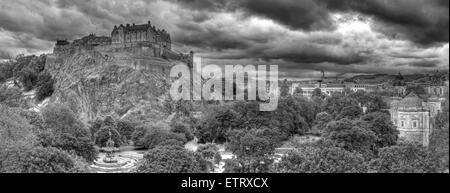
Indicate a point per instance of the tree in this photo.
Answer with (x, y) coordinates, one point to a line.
(107, 133)
(28, 78)
(138, 135)
(65, 131)
(439, 145)
(155, 136)
(442, 119)
(351, 112)
(6, 71)
(168, 159)
(16, 136)
(180, 128)
(254, 153)
(45, 86)
(321, 159)
(375, 103)
(317, 93)
(49, 160)
(125, 129)
(355, 139)
(337, 102)
(322, 120)
(405, 158)
(352, 137)
(304, 107)
(382, 126)
(285, 89)
(298, 91)
(20, 150)
(216, 124)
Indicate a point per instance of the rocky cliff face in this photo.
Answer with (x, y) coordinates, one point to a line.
(124, 85)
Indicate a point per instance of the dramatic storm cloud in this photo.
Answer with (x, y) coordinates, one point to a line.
(342, 37)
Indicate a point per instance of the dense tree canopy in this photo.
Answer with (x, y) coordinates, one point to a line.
(405, 158)
(321, 159)
(49, 160)
(150, 137)
(381, 124)
(337, 102)
(169, 159)
(21, 150)
(351, 112)
(67, 132)
(107, 133)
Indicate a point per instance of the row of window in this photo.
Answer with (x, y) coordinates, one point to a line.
(415, 124)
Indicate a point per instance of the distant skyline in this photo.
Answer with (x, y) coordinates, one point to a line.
(341, 37)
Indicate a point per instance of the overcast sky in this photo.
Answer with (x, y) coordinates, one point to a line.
(342, 37)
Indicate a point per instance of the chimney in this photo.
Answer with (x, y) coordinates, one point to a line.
(149, 23)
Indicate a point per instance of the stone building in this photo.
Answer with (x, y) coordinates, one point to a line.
(144, 40)
(414, 117)
(140, 35)
(329, 89)
(92, 40)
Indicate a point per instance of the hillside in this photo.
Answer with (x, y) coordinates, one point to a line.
(124, 85)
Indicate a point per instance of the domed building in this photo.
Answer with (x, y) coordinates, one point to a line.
(413, 117)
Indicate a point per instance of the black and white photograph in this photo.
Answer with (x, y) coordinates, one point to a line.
(224, 87)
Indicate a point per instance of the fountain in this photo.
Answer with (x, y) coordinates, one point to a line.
(111, 160)
(110, 152)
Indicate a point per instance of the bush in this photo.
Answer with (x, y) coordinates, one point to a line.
(28, 78)
(45, 87)
(11, 97)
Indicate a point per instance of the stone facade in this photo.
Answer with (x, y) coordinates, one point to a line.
(329, 89)
(413, 117)
(140, 35)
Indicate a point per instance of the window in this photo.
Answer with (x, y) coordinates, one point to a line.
(402, 123)
(415, 124)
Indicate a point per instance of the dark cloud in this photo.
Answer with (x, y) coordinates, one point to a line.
(204, 5)
(297, 14)
(299, 34)
(425, 63)
(208, 38)
(421, 21)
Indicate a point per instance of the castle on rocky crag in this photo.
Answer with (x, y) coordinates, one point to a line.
(144, 39)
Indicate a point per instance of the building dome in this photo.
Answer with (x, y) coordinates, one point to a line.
(411, 101)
